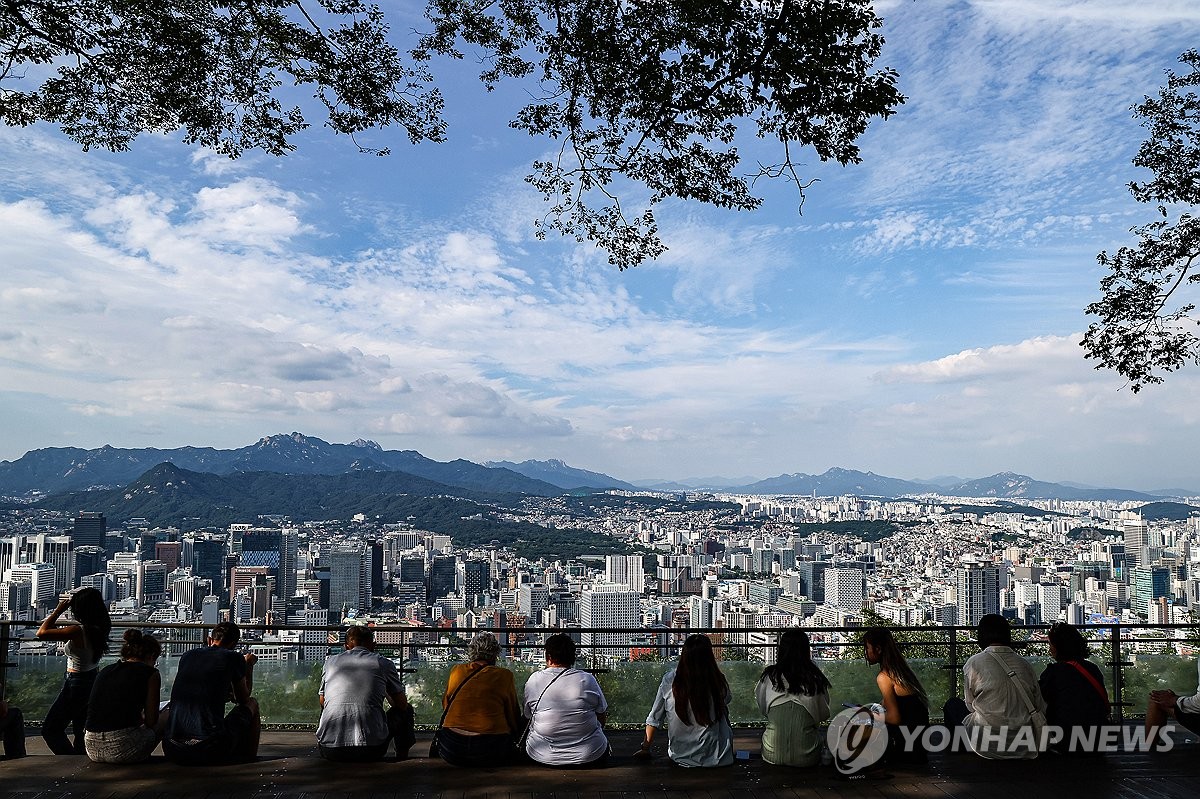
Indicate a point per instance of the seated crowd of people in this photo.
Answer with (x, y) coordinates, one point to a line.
(559, 722)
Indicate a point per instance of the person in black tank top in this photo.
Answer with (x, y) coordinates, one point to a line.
(123, 721)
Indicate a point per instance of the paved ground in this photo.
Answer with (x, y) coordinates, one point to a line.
(289, 769)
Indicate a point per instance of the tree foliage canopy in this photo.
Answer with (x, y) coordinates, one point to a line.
(651, 94)
(1145, 330)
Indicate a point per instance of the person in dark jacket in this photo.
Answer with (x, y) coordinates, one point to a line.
(1073, 688)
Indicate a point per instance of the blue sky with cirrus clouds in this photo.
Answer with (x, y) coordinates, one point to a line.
(921, 317)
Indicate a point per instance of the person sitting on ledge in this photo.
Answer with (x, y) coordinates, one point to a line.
(354, 727)
(1073, 688)
(693, 702)
(199, 733)
(12, 731)
(1165, 704)
(123, 721)
(1002, 707)
(566, 711)
(481, 718)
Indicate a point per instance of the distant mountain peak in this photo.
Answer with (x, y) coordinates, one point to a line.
(365, 443)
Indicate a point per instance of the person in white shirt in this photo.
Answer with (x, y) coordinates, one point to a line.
(1165, 704)
(1002, 707)
(566, 711)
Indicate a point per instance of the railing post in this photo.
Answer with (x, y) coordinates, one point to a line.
(1118, 672)
(953, 666)
(5, 640)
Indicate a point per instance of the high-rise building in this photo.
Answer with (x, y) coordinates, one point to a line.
(477, 580)
(812, 579)
(845, 588)
(346, 584)
(16, 600)
(532, 599)
(1137, 542)
(699, 613)
(152, 582)
(626, 570)
(90, 529)
(609, 605)
(1149, 583)
(289, 543)
(440, 581)
(978, 591)
(208, 560)
(57, 551)
(168, 552)
(41, 578)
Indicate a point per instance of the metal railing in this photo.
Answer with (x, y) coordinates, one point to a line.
(1134, 656)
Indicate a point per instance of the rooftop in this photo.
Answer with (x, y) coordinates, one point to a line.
(288, 766)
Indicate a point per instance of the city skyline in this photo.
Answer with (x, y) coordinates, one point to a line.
(920, 318)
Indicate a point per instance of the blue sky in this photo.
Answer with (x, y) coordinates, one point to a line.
(921, 317)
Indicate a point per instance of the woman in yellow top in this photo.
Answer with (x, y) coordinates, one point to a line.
(482, 714)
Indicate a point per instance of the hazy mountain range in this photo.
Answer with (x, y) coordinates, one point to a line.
(63, 469)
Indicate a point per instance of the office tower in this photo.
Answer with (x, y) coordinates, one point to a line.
(1052, 597)
(1149, 583)
(532, 599)
(263, 549)
(978, 592)
(11, 550)
(16, 600)
(412, 569)
(345, 580)
(608, 605)
(1137, 542)
(114, 542)
(812, 579)
(699, 613)
(57, 551)
(289, 543)
(440, 582)
(102, 582)
(168, 552)
(147, 544)
(90, 529)
(89, 560)
(152, 582)
(303, 612)
(377, 588)
(41, 577)
(208, 560)
(845, 588)
(626, 570)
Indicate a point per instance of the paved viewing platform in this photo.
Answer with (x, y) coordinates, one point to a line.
(288, 767)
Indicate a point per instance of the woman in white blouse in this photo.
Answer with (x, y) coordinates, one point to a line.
(566, 711)
(793, 694)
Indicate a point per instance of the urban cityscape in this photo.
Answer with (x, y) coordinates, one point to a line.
(738, 566)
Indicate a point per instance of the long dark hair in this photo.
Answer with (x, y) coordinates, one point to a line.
(88, 608)
(891, 660)
(794, 670)
(699, 685)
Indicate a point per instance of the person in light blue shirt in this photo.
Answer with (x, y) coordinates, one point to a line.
(693, 701)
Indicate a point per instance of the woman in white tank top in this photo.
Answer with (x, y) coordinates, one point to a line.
(86, 641)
